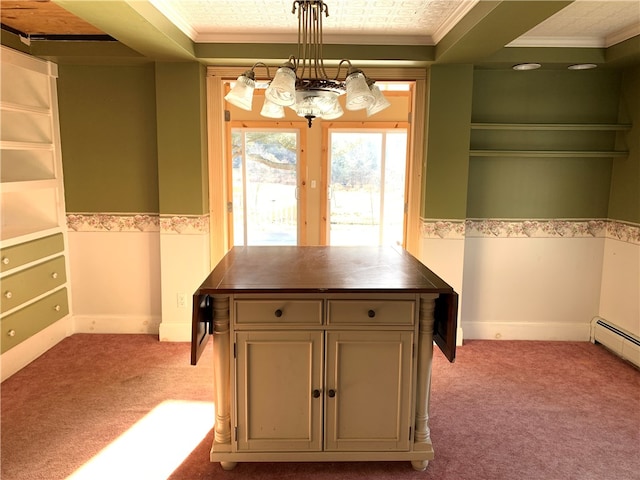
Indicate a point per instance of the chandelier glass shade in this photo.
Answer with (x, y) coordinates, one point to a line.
(302, 83)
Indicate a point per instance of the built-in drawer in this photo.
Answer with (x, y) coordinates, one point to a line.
(371, 312)
(24, 323)
(20, 287)
(279, 311)
(17, 255)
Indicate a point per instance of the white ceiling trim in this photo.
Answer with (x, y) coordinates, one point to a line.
(622, 35)
(335, 39)
(168, 11)
(572, 42)
(456, 16)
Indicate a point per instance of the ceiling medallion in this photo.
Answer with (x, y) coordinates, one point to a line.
(302, 83)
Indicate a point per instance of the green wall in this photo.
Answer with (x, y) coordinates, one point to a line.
(542, 187)
(134, 138)
(624, 203)
(108, 131)
(182, 138)
(445, 172)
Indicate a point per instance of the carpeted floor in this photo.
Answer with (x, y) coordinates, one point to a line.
(130, 407)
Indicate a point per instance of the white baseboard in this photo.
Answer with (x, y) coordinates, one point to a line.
(175, 331)
(26, 352)
(576, 332)
(116, 324)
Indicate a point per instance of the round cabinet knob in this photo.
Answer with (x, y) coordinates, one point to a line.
(5, 260)
(316, 393)
(332, 393)
(54, 275)
(11, 333)
(278, 313)
(57, 308)
(371, 313)
(8, 294)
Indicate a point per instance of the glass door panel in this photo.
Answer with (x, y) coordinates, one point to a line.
(366, 194)
(264, 178)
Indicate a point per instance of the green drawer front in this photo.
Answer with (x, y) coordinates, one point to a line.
(20, 325)
(31, 282)
(12, 257)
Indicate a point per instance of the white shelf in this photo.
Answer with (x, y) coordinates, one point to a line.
(31, 168)
(24, 126)
(21, 165)
(16, 107)
(13, 145)
(16, 236)
(28, 185)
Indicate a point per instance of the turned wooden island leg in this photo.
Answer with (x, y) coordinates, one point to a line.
(222, 377)
(422, 435)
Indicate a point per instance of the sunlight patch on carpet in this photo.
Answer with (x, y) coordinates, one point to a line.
(155, 446)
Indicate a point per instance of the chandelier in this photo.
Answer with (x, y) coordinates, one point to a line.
(302, 83)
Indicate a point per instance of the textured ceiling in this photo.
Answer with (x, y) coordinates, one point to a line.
(409, 22)
(405, 32)
(587, 23)
(420, 22)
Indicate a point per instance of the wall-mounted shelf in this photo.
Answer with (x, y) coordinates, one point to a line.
(601, 127)
(547, 153)
(546, 140)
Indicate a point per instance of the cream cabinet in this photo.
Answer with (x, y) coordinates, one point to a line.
(300, 390)
(322, 353)
(279, 384)
(33, 235)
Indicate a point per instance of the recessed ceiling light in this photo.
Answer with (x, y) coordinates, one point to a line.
(526, 66)
(582, 66)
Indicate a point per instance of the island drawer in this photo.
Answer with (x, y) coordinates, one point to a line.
(372, 312)
(279, 311)
(28, 321)
(17, 255)
(31, 282)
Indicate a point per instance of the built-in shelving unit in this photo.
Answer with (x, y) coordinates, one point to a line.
(591, 137)
(33, 237)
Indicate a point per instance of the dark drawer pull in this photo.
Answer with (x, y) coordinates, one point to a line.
(278, 313)
(371, 313)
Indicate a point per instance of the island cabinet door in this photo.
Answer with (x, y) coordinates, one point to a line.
(279, 385)
(368, 390)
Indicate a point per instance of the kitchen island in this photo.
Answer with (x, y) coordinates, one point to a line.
(322, 353)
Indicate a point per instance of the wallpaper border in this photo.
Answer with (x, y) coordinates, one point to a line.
(530, 228)
(429, 228)
(138, 222)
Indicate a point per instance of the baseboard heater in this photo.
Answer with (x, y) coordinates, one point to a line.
(616, 339)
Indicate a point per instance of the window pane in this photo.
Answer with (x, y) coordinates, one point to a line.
(265, 182)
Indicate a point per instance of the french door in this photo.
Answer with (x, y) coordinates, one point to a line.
(362, 196)
(264, 181)
(366, 193)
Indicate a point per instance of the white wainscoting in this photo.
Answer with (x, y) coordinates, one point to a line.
(136, 273)
(445, 257)
(115, 281)
(531, 289)
(537, 279)
(185, 265)
(620, 295)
